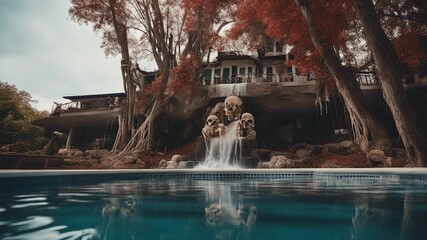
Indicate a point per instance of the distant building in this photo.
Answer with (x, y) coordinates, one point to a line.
(89, 120)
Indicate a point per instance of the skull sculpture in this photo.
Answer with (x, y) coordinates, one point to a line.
(218, 111)
(232, 108)
(245, 128)
(210, 126)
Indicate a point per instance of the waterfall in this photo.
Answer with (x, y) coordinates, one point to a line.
(223, 152)
(238, 89)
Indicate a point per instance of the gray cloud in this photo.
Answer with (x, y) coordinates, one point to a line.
(46, 54)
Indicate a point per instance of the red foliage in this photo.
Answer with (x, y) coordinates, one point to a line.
(184, 74)
(409, 48)
(150, 93)
(283, 20)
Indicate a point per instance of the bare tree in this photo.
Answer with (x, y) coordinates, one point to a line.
(363, 121)
(386, 64)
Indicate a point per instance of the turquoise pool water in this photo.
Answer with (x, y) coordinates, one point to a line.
(231, 205)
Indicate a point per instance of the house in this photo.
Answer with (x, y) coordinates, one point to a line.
(235, 67)
(289, 107)
(89, 120)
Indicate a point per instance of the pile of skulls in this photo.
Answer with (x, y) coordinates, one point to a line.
(231, 108)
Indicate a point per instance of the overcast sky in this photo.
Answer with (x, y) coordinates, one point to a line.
(46, 54)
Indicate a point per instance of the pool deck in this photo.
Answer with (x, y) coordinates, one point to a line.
(45, 173)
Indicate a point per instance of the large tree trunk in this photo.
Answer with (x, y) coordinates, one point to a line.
(362, 119)
(142, 139)
(122, 136)
(125, 131)
(387, 67)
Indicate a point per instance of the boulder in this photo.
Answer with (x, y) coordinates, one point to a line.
(64, 151)
(181, 165)
(190, 165)
(345, 144)
(176, 158)
(263, 165)
(5, 148)
(377, 158)
(274, 159)
(303, 153)
(280, 163)
(74, 153)
(285, 163)
(163, 163)
(96, 154)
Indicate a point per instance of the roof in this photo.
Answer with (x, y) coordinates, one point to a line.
(104, 95)
(233, 55)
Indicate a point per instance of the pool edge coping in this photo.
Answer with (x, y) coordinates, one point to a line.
(45, 173)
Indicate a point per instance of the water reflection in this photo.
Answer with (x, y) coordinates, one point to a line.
(189, 209)
(120, 217)
(229, 217)
(391, 215)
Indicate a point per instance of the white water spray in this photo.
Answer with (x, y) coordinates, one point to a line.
(238, 89)
(224, 152)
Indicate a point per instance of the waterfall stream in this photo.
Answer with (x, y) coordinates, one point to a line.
(237, 89)
(223, 152)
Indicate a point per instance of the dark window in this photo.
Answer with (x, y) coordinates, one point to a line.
(225, 75)
(217, 72)
(270, 46)
(269, 74)
(279, 47)
(217, 75)
(233, 74)
(207, 75)
(242, 71)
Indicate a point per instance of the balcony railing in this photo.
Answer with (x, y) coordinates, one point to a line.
(81, 106)
(367, 78)
(255, 78)
(363, 78)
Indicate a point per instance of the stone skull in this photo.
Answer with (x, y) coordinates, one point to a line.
(245, 128)
(210, 126)
(218, 111)
(248, 121)
(212, 121)
(232, 108)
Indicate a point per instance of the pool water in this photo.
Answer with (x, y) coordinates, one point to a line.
(222, 207)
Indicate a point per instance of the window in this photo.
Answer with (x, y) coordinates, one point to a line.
(217, 72)
(225, 75)
(206, 76)
(279, 47)
(269, 74)
(270, 46)
(217, 75)
(233, 74)
(242, 71)
(249, 74)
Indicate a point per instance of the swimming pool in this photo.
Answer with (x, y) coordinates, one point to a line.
(233, 204)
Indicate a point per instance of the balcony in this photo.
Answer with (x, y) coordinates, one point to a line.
(79, 106)
(256, 78)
